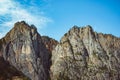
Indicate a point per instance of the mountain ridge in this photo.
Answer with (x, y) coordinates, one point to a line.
(23, 48)
(81, 54)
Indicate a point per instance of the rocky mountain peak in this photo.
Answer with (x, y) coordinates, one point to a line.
(21, 29)
(82, 32)
(23, 48)
(23, 25)
(83, 54)
(84, 28)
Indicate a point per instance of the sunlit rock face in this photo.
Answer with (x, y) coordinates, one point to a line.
(83, 54)
(23, 48)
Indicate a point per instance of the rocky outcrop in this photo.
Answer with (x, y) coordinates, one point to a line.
(9, 72)
(23, 48)
(49, 43)
(83, 54)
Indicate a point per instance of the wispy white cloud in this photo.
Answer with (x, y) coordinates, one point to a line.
(12, 11)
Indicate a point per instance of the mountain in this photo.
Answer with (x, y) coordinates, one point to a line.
(81, 54)
(24, 48)
(84, 54)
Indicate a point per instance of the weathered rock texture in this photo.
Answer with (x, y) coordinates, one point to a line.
(23, 48)
(83, 54)
(49, 43)
(9, 72)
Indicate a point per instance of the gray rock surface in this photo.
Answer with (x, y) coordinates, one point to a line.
(83, 54)
(23, 48)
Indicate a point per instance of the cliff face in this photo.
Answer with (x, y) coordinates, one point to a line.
(83, 54)
(49, 43)
(8, 71)
(23, 48)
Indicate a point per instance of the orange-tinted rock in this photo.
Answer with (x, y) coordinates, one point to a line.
(49, 43)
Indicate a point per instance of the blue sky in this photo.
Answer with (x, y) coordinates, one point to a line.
(55, 17)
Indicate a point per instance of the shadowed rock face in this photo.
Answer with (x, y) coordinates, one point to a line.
(23, 48)
(49, 43)
(83, 54)
(9, 72)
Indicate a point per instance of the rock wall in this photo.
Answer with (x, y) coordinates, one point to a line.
(23, 48)
(83, 54)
